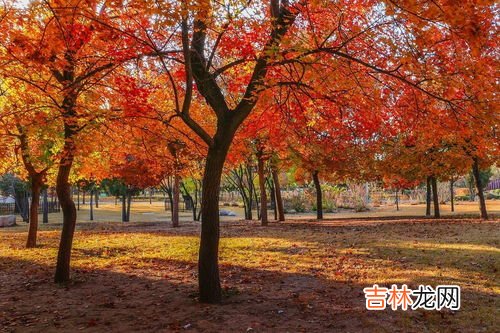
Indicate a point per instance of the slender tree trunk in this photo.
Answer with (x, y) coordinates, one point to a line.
(175, 206)
(69, 218)
(428, 197)
(272, 192)
(452, 195)
(91, 205)
(208, 262)
(129, 203)
(435, 197)
(479, 187)
(262, 188)
(319, 196)
(45, 207)
(279, 199)
(257, 201)
(397, 200)
(35, 202)
(124, 208)
(78, 197)
(83, 197)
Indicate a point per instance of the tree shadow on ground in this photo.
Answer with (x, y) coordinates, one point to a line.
(159, 295)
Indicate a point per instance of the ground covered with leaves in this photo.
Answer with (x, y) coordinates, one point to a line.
(299, 276)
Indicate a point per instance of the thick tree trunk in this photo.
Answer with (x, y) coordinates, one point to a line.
(319, 196)
(262, 188)
(69, 219)
(452, 196)
(279, 199)
(435, 197)
(35, 202)
(479, 188)
(428, 197)
(208, 262)
(175, 205)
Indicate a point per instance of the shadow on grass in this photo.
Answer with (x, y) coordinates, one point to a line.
(160, 296)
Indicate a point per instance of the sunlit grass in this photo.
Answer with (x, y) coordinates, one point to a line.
(466, 254)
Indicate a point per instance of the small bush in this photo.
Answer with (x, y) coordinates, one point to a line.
(296, 203)
(462, 198)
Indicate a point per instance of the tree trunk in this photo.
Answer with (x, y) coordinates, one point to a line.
(272, 192)
(452, 196)
(479, 188)
(35, 202)
(45, 207)
(171, 201)
(319, 196)
(428, 197)
(208, 262)
(91, 205)
(69, 218)
(279, 199)
(78, 197)
(124, 208)
(435, 197)
(262, 188)
(175, 206)
(83, 197)
(397, 200)
(129, 203)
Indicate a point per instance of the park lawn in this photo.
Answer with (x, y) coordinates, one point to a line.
(300, 276)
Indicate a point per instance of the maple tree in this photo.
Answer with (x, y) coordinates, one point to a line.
(342, 76)
(367, 55)
(32, 143)
(64, 51)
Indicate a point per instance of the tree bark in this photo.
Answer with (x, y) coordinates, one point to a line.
(45, 207)
(129, 203)
(124, 208)
(262, 188)
(272, 192)
(175, 206)
(479, 188)
(397, 200)
(91, 205)
(435, 197)
(69, 217)
(279, 199)
(452, 196)
(428, 197)
(35, 202)
(319, 196)
(208, 262)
